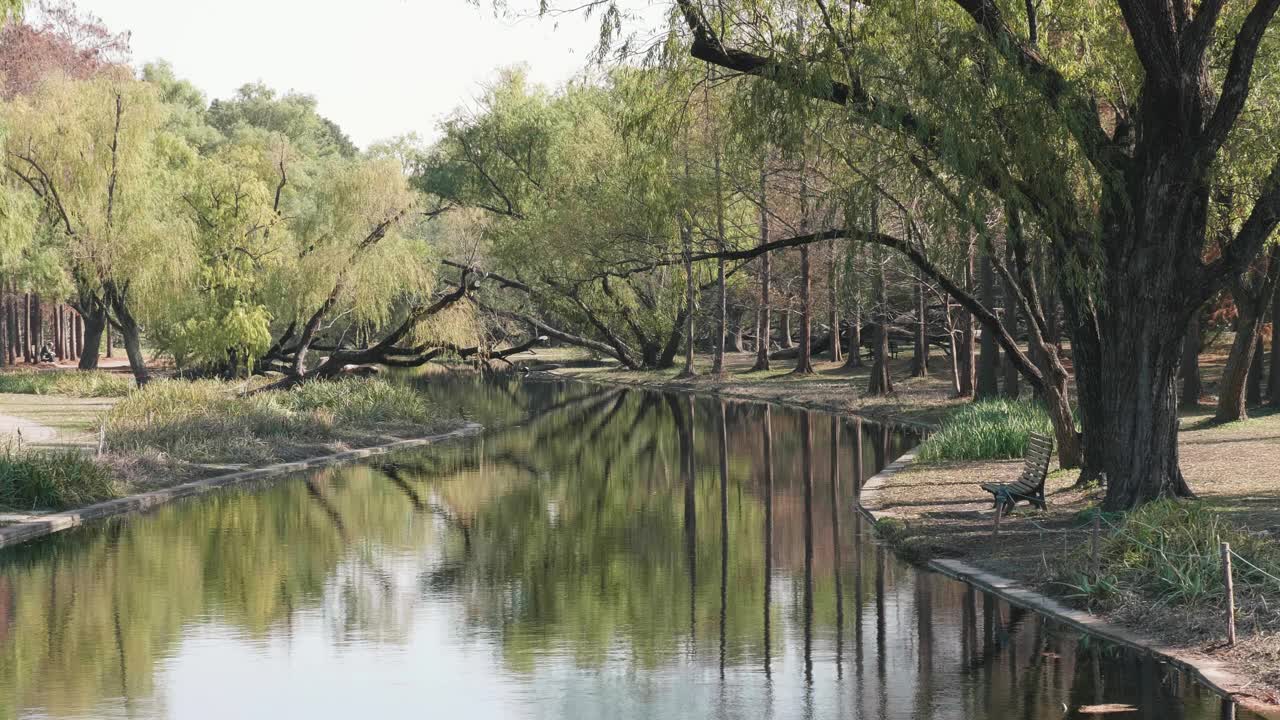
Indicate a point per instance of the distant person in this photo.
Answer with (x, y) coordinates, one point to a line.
(46, 353)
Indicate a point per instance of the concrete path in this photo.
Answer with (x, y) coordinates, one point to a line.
(29, 431)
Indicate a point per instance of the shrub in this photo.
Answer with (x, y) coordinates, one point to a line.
(52, 479)
(72, 383)
(995, 429)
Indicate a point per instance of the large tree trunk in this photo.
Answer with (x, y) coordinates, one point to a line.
(130, 332)
(1253, 389)
(95, 323)
(668, 357)
(1251, 301)
(989, 351)
(920, 352)
(1192, 387)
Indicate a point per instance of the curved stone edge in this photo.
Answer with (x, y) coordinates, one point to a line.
(1208, 671)
(57, 522)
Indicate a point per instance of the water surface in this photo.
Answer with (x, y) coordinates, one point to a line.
(598, 553)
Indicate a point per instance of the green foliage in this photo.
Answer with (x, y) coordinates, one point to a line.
(52, 479)
(94, 383)
(211, 421)
(995, 429)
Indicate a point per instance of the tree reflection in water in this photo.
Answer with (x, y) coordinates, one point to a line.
(555, 564)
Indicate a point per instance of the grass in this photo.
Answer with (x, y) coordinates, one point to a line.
(1166, 554)
(72, 383)
(208, 421)
(52, 479)
(995, 429)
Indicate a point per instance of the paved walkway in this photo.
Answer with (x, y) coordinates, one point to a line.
(30, 431)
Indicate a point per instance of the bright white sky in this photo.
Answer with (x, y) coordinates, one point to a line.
(378, 68)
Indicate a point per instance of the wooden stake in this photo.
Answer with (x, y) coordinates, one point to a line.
(1231, 593)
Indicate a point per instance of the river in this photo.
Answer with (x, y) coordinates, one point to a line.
(597, 553)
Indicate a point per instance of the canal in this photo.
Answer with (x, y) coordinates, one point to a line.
(597, 553)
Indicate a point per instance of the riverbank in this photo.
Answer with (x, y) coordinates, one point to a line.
(66, 453)
(937, 515)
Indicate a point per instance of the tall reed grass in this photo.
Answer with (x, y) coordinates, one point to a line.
(993, 429)
(37, 478)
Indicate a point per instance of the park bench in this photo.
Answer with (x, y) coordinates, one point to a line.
(1029, 487)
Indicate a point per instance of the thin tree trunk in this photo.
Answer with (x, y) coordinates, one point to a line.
(833, 298)
(989, 351)
(966, 364)
(854, 357)
(787, 341)
(764, 328)
(722, 309)
(690, 303)
(804, 359)
(920, 353)
(1012, 381)
(27, 356)
(881, 382)
(1273, 384)
(11, 311)
(58, 333)
(6, 358)
(37, 325)
(79, 336)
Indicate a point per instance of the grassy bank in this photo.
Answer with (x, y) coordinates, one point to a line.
(89, 384)
(208, 421)
(1164, 558)
(172, 430)
(995, 429)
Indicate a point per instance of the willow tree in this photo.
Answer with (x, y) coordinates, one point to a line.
(95, 155)
(573, 186)
(1110, 139)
